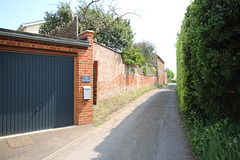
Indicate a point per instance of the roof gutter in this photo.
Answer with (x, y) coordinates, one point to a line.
(44, 38)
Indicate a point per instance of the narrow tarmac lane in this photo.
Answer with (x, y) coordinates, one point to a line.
(151, 131)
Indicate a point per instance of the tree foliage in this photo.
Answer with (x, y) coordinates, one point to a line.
(110, 28)
(61, 18)
(170, 73)
(208, 59)
(118, 36)
(148, 50)
(133, 57)
(142, 54)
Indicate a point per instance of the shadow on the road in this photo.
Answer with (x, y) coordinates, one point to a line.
(137, 136)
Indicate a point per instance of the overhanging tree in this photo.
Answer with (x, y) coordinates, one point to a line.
(133, 57)
(61, 18)
(109, 27)
(143, 52)
(149, 52)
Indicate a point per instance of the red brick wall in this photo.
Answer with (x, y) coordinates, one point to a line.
(115, 77)
(160, 71)
(165, 78)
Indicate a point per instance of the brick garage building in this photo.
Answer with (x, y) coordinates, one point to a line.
(41, 81)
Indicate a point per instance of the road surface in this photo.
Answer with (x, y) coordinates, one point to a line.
(149, 129)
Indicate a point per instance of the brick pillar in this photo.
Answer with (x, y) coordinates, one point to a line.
(83, 109)
(165, 78)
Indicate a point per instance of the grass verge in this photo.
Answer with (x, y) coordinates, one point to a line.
(104, 108)
(214, 141)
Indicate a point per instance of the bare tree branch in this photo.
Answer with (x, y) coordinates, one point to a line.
(101, 25)
(93, 1)
(110, 24)
(84, 12)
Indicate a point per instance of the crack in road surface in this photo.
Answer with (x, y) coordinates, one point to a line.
(150, 128)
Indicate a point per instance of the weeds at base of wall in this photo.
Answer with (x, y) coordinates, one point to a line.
(104, 108)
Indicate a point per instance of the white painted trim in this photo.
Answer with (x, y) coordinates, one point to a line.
(33, 23)
(87, 31)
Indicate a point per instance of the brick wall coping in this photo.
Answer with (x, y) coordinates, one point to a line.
(87, 31)
(110, 50)
(106, 47)
(43, 38)
(160, 59)
(117, 51)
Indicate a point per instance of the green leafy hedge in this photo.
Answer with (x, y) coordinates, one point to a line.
(208, 59)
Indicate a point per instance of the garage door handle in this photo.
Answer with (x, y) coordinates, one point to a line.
(37, 109)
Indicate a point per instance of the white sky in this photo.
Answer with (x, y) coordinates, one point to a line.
(159, 22)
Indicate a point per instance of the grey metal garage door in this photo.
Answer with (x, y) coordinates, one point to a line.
(36, 92)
